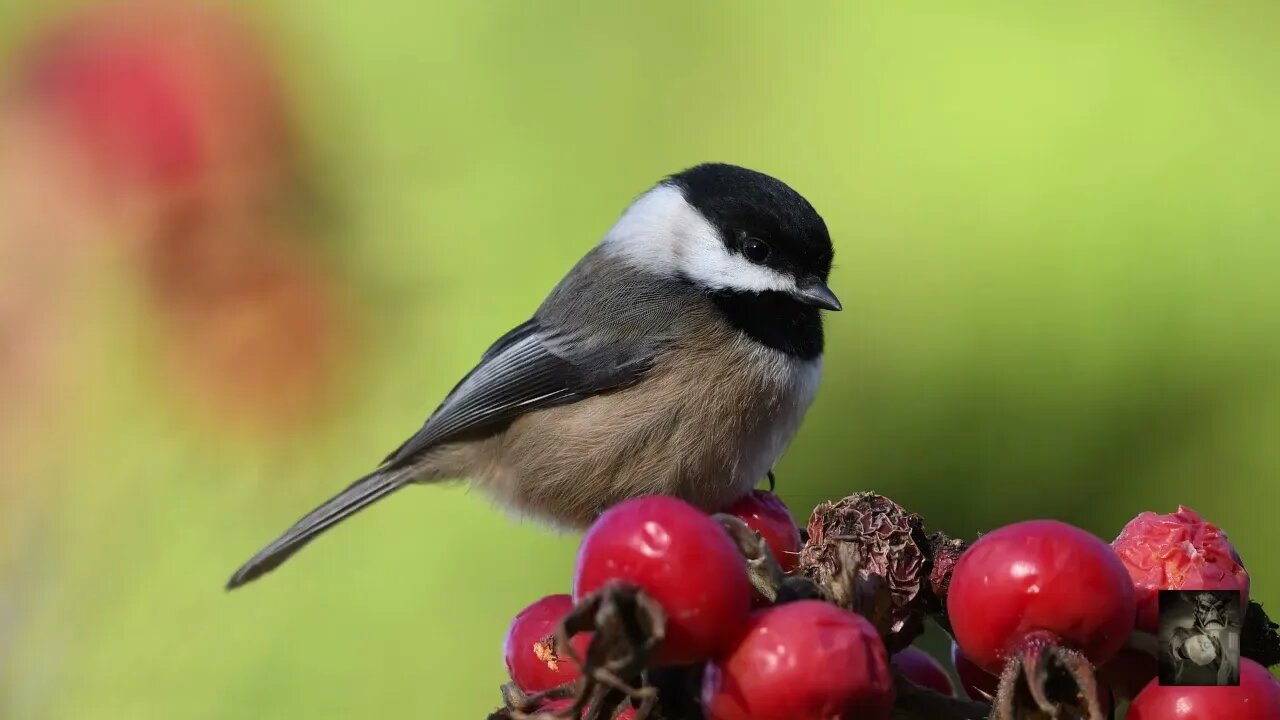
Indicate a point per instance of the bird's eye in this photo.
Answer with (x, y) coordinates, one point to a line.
(755, 249)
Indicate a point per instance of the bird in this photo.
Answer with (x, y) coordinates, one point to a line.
(677, 357)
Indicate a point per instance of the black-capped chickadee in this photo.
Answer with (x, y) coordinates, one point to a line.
(678, 357)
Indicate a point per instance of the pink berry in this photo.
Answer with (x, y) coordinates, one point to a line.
(680, 557)
(1179, 551)
(533, 661)
(1039, 578)
(921, 669)
(1257, 697)
(806, 660)
(764, 512)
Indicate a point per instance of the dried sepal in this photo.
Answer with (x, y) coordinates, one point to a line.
(519, 705)
(1045, 679)
(627, 626)
(763, 569)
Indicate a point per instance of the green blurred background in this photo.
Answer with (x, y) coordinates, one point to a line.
(1056, 247)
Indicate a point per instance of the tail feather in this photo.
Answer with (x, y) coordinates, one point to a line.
(360, 495)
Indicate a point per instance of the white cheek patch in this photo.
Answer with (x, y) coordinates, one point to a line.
(662, 233)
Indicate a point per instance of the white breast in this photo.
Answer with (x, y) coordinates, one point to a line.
(794, 384)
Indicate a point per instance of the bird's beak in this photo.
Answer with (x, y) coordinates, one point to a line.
(814, 292)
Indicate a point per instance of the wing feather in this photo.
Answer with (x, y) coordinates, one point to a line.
(521, 373)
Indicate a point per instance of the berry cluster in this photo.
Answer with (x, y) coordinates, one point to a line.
(677, 615)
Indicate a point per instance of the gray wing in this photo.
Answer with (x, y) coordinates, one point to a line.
(599, 330)
(529, 368)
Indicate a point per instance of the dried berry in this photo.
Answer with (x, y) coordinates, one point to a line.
(865, 550)
(1177, 551)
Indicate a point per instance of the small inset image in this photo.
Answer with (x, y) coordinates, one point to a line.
(1199, 637)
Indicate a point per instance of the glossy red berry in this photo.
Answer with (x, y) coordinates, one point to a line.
(533, 661)
(1175, 552)
(1257, 697)
(806, 660)
(977, 683)
(764, 512)
(680, 557)
(1039, 578)
(921, 669)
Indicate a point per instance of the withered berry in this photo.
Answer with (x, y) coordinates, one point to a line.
(1175, 552)
(865, 546)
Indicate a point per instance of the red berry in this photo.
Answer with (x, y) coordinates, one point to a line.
(533, 661)
(161, 94)
(806, 660)
(1176, 552)
(124, 99)
(764, 512)
(1035, 578)
(1256, 698)
(921, 669)
(680, 557)
(977, 683)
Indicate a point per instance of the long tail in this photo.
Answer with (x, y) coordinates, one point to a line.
(360, 495)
